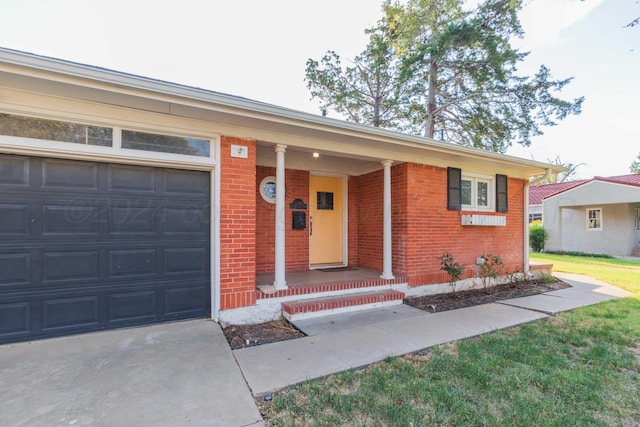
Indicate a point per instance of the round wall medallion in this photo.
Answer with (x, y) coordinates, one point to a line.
(268, 189)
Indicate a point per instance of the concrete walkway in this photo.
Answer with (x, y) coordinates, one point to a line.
(184, 373)
(173, 374)
(346, 341)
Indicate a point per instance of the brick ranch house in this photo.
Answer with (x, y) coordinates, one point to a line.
(128, 200)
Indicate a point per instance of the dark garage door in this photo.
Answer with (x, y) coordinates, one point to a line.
(86, 246)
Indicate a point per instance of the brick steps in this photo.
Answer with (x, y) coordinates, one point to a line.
(305, 309)
(338, 286)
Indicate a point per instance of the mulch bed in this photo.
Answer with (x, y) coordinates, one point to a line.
(450, 301)
(240, 336)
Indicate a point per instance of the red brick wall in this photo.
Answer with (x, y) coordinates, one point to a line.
(400, 219)
(428, 229)
(353, 217)
(296, 241)
(370, 222)
(237, 225)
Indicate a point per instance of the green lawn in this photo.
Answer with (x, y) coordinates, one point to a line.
(579, 368)
(622, 273)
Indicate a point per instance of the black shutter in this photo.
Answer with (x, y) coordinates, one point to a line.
(502, 199)
(454, 183)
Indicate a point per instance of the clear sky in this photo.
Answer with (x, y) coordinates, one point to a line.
(258, 49)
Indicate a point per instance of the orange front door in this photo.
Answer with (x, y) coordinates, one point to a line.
(326, 220)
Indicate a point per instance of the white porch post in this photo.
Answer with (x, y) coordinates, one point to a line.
(386, 234)
(279, 282)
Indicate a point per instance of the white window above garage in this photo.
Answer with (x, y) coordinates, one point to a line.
(71, 136)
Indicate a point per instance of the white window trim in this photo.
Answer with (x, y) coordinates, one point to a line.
(491, 196)
(587, 219)
(33, 146)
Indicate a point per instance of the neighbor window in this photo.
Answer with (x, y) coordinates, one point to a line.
(637, 218)
(54, 130)
(594, 219)
(535, 217)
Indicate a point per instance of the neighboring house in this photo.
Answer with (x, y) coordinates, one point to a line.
(599, 215)
(127, 201)
(538, 193)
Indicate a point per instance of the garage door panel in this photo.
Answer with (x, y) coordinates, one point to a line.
(63, 174)
(132, 178)
(70, 219)
(70, 313)
(132, 220)
(187, 182)
(14, 171)
(188, 219)
(15, 219)
(89, 246)
(183, 301)
(70, 266)
(186, 260)
(15, 319)
(132, 306)
(15, 269)
(132, 263)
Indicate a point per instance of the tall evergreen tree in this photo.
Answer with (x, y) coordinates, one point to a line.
(458, 74)
(372, 90)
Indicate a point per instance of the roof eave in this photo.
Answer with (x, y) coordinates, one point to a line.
(265, 111)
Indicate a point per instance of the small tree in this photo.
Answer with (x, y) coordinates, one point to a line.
(453, 268)
(489, 269)
(635, 165)
(537, 236)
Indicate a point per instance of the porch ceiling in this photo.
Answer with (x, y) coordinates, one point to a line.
(301, 158)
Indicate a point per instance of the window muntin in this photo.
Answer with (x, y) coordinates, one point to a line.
(165, 143)
(465, 192)
(55, 130)
(594, 219)
(477, 193)
(482, 193)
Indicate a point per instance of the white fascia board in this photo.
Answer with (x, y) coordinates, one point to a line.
(105, 79)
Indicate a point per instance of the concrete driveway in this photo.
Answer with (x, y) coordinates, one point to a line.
(172, 374)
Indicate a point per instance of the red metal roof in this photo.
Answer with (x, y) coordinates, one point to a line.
(540, 192)
(632, 179)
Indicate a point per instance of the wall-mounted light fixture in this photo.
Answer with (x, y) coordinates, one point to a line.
(316, 156)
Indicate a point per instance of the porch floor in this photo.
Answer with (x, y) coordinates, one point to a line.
(307, 277)
(315, 281)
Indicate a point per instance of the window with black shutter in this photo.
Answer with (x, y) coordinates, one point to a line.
(502, 199)
(454, 183)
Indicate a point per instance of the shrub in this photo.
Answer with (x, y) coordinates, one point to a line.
(453, 268)
(489, 269)
(516, 278)
(537, 237)
(582, 254)
(546, 278)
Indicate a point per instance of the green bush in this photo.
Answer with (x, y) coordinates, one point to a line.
(489, 269)
(582, 254)
(455, 270)
(537, 237)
